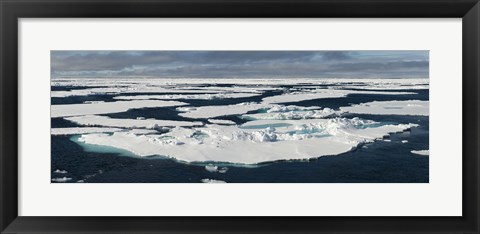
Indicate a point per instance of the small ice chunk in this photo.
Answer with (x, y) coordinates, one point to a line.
(60, 171)
(80, 181)
(212, 181)
(387, 140)
(65, 110)
(222, 170)
(61, 179)
(404, 141)
(211, 168)
(421, 152)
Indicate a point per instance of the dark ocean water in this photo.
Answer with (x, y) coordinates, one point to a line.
(378, 162)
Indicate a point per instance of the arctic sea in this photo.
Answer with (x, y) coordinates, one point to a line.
(386, 160)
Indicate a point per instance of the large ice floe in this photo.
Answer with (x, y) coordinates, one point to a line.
(411, 107)
(80, 130)
(96, 120)
(107, 107)
(253, 142)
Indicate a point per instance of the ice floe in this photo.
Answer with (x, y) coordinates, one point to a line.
(212, 181)
(189, 96)
(292, 112)
(108, 107)
(291, 139)
(124, 90)
(222, 170)
(81, 130)
(421, 152)
(411, 107)
(61, 179)
(159, 81)
(211, 168)
(96, 120)
(217, 111)
(321, 94)
(58, 171)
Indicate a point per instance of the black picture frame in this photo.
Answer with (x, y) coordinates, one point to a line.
(12, 10)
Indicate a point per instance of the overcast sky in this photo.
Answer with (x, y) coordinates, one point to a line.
(241, 64)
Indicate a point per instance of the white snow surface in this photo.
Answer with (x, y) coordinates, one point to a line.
(294, 140)
(97, 120)
(107, 107)
(410, 107)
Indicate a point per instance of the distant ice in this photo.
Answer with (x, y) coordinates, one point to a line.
(124, 90)
(321, 94)
(80, 130)
(217, 111)
(97, 120)
(138, 84)
(421, 152)
(61, 179)
(404, 141)
(411, 107)
(189, 96)
(107, 107)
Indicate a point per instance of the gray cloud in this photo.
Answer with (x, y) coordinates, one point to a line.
(336, 55)
(238, 64)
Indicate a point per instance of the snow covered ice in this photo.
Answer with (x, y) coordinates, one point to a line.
(270, 130)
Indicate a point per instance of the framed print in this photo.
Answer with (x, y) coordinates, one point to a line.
(256, 116)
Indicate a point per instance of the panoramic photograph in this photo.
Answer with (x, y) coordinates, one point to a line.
(239, 116)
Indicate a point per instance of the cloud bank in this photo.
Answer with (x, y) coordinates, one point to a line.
(241, 64)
